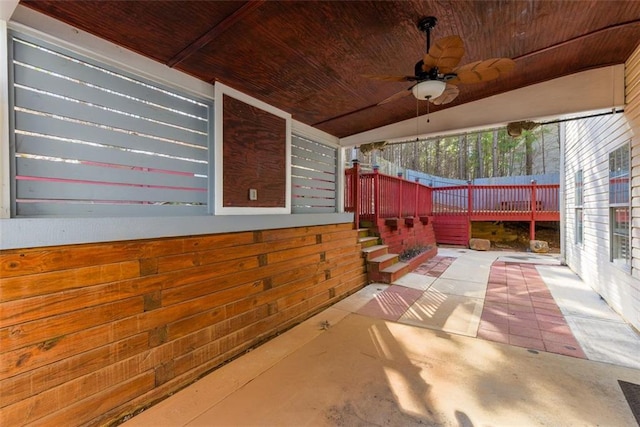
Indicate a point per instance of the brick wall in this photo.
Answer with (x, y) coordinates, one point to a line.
(89, 333)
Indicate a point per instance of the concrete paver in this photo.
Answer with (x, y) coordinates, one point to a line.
(416, 281)
(450, 313)
(602, 334)
(460, 287)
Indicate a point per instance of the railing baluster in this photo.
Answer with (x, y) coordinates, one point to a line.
(375, 196)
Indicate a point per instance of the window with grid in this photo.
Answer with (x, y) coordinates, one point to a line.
(619, 217)
(90, 140)
(579, 219)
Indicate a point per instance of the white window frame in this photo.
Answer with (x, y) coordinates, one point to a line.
(626, 266)
(219, 209)
(579, 207)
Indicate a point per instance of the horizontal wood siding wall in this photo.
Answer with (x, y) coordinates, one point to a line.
(91, 332)
(587, 147)
(452, 230)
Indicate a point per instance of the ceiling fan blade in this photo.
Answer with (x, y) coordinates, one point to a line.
(483, 71)
(445, 54)
(450, 93)
(396, 96)
(389, 78)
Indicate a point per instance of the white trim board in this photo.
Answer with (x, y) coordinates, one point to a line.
(21, 233)
(588, 91)
(219, 209)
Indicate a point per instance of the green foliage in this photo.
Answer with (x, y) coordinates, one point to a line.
(480, 154)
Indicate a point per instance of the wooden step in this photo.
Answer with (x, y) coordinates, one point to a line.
(374, 251)
(394, 272)
(363, 232)
(378, 264)
(368, 241)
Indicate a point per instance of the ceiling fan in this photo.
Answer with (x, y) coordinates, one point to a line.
(437, 74)
(515, 129)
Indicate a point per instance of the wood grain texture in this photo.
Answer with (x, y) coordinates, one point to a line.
(85, 340)
(308, 58)
(254, 156)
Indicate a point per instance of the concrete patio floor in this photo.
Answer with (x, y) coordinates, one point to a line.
(468, 339)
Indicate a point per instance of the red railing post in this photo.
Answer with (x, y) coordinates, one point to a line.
(532, 226)
(356, 193)
(376, 196)
(470, 199)
(401, 184)
(417, 186)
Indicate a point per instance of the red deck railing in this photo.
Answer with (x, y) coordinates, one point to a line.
(377, 196)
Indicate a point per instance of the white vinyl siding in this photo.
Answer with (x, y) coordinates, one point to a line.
(588, 144)
(88, 140)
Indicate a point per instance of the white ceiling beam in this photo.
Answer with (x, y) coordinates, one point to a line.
(593, 90)
(6, 9)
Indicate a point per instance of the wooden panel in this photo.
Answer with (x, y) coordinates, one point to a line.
(70, 131)
(154, 314)
(452, 230)
(166, 28)
(118, 175)
(300, 170)
(40, 331)
(34, 382)
(321, 160)
(109, 99)
(314, 147)
(72, 190)
(315, 184)
(105, 210)
(310, 60)
(99, 403)
(21, 287)
(68, 150)
(26, 53)
(53, 400)
(254, 156)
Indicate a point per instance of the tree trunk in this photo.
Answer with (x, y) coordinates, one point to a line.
(511, 161)
(528, 155)
(544, 168)
(462, 172)
(436, 168)
(494, 153)
(479, 157)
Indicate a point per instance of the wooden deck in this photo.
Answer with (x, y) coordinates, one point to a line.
(375, 196)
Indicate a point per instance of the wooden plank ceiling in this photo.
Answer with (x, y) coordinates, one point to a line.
(308, 57)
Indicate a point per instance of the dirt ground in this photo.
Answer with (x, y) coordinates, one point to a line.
(515, 235)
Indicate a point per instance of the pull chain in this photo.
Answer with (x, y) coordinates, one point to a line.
(417, 119)
(428, 109)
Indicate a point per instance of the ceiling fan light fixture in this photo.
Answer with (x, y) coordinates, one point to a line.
(428, 89)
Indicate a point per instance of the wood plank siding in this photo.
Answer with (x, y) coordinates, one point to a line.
(587, 147)
(254, 153)
(91, 332)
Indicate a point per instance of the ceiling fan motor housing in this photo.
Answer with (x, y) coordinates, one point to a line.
(428, 89)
